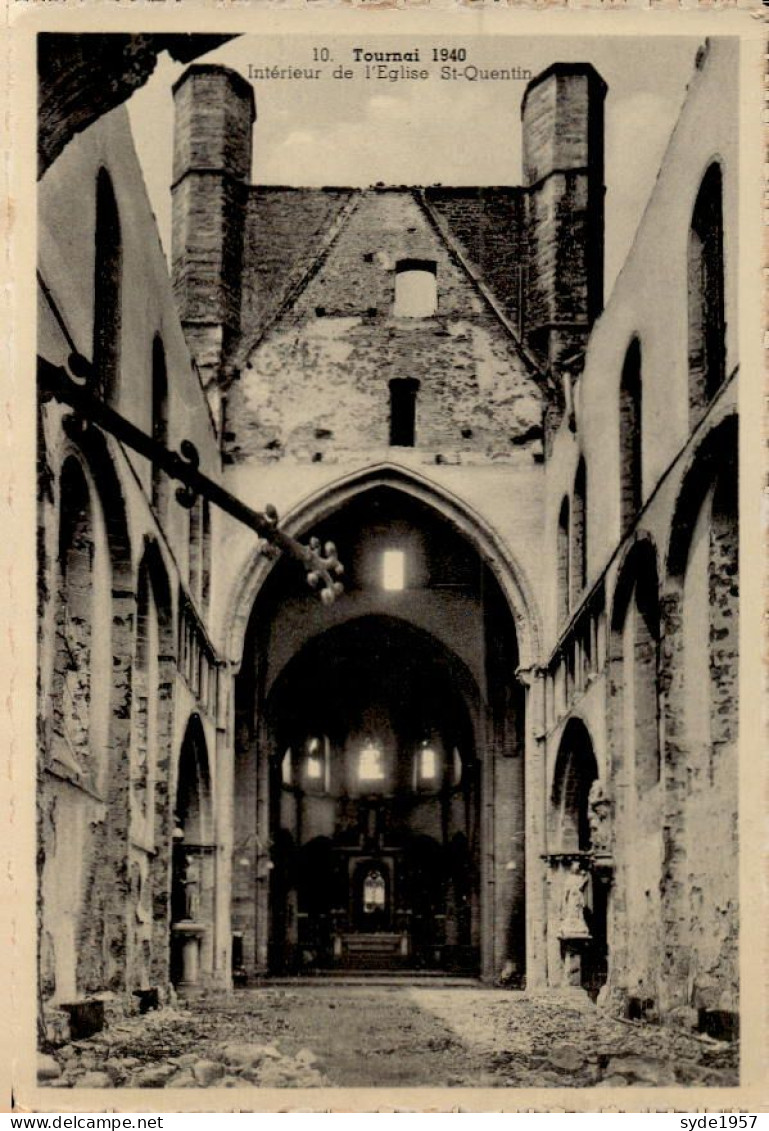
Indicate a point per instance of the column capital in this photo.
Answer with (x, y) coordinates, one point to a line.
(528, 675)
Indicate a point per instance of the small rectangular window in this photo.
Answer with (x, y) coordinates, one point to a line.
(403, 410)
(393, 570)
(416, 288)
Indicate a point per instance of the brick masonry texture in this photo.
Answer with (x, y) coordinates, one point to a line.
(318, 381)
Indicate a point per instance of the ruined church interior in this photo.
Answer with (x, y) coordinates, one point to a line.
(496, 751)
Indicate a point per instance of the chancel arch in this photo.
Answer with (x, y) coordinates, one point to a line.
(372, 732)
(304, 519)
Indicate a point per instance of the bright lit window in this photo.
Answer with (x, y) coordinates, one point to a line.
(416, 288)
(428, 764)
(315, 763)
(374, 893)
(371, 763)
(457, 766)
(393, 570)
(285, 768)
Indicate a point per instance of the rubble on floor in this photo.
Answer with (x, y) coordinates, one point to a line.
(155, 1040)
(343, 1037)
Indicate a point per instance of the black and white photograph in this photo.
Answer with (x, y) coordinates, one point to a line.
(388, 549)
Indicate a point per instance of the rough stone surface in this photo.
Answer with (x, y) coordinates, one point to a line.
(207, 1072)
(440, 1037)
(310, 328)
(152, 1077)
(47, 1068)
(93, 1080)
(316, 384)
(566, 1057)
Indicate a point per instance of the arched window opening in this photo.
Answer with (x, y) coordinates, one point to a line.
(579, 535)
(403, 410)
(630, 437)
(108, 268)
(416, 288)
(576, 770)
(159, 417)
(428, 764)
(371, 763)
(374, 892)
(457, 766)
(192, 883)
(706, 294)
(193, 791)
(316, 763)
(563, 562)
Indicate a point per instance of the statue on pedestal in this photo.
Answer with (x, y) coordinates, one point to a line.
(573, 923)
(191, 883)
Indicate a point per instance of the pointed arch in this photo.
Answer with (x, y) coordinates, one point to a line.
(194, 812)
(497, 555)
(578, 579)
(705, 270)
(159, 419)
(575, 771)
(563, 556)
(83, 858)
(107, 289)
(630, 437)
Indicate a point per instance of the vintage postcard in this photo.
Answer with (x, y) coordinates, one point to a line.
(387, 560)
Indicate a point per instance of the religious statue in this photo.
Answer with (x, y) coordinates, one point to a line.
(599, 818)
(191, 883)
(573, 923)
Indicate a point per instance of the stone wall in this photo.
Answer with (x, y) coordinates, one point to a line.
(673, 917)
(105, 807)
(316, 385)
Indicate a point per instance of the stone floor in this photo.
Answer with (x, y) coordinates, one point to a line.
(386, 1036)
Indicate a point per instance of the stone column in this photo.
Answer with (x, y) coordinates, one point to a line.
(263, 859)
(535, 792)
(224, 817)
(486, 840)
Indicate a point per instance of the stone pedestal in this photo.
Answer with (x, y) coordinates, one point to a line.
(573, 948)
(188, 936)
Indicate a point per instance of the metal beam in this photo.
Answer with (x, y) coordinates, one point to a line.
(321, 564)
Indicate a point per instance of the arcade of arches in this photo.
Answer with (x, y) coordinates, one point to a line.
(386, 753)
